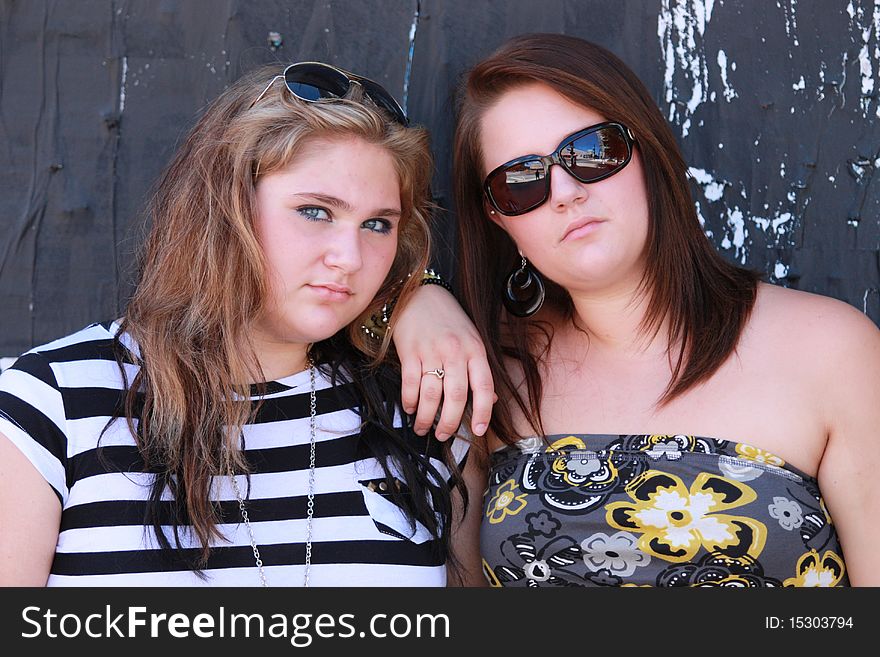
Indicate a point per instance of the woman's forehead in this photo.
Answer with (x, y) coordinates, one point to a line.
(530, 119)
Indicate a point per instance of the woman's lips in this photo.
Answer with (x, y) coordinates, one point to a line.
(331, 291)
(581, 228)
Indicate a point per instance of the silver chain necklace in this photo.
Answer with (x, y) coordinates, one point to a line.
(313, 431)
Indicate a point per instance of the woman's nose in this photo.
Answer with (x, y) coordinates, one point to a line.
(565, 189)
(344, 250)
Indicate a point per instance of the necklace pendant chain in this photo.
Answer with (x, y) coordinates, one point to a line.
(310, 507)
(247, 522)
(313, 432)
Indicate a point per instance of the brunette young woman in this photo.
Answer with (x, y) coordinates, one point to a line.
(238, 426)
(665, 419)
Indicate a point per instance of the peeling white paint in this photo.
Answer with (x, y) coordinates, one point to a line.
(865, 298)
(865, 29)
(712, 189)
(778, 223)
(783, 218)
(789, 8)
(680, 26)
(729, 92)
(800, 85)
(700, 215)
(821, 89)
(866, 70)
(780, 270)
(122, 84)
(737, 223)
(409, 57)
(865, 67)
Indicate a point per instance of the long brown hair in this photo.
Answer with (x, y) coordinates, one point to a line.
(705, 299)
(203, 280)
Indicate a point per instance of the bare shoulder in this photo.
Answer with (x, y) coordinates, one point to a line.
(822, 351)
(812, 322)
(825, 349)
(828, 353)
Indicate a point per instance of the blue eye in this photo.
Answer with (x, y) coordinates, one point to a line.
(314, 213)
(382, 226)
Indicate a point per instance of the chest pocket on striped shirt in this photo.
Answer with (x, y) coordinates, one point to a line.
(387, 516)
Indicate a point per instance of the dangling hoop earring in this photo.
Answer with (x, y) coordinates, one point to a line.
(524, 293)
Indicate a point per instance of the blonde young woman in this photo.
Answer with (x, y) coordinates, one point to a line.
(237, 426)
(664, 418)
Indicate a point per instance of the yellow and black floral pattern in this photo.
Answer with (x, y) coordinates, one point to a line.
(648, 510)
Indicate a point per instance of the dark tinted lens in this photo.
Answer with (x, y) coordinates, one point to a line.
(383, 99)
(519, 186)
(315, 81)
(596, 154)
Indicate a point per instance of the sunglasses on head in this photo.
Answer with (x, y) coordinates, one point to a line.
(315, 81)
(590, 155)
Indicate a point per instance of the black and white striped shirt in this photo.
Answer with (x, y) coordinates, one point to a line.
(57, 399)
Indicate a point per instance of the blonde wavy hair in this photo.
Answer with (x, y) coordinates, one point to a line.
(203, 278)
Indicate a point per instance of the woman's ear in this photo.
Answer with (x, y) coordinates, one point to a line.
(492, 213)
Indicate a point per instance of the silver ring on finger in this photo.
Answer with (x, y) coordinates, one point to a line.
(439, 373)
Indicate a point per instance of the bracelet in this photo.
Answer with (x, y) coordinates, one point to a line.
(376, 325)
(431, 277)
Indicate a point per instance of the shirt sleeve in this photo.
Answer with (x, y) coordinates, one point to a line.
(32, 417)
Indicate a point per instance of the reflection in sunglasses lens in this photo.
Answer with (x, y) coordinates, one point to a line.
(315, 81)
(594, 155)
(524, 185)
(520, 185)
(306, 91)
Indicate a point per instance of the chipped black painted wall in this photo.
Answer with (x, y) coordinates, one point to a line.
(775, 103)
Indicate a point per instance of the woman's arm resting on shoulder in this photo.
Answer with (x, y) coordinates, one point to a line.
(849, 466)
(30, 516)
(434, 332)
(466, 527)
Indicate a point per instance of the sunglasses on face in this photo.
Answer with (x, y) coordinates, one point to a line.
(315, 81)
(590, 155)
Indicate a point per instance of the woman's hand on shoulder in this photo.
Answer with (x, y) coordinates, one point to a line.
(30, 516)
(433, 333)
(847, 348)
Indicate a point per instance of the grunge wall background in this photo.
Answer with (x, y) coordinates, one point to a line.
(775, 103)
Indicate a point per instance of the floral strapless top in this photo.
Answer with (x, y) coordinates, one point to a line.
(606, 510)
